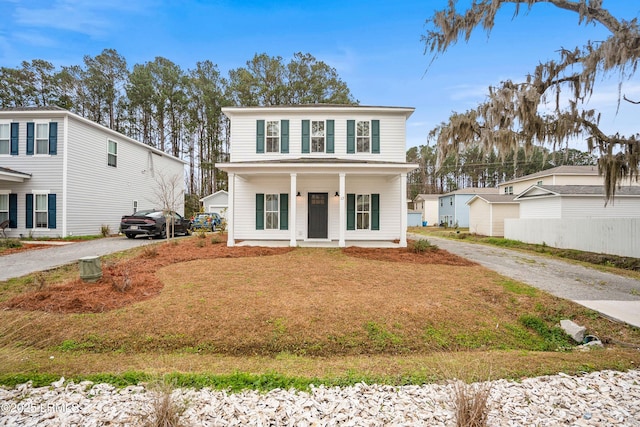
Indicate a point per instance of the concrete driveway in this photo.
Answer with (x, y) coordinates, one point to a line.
(23, 263)
(617, 297)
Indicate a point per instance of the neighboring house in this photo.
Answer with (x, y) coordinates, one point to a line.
(216, 202)
(487, 213)
(428, 205)
(333, 173)
(561, 175)
(576, 217)
(62, 175)
(453, 210)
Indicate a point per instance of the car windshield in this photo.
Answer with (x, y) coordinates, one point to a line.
(151, 213)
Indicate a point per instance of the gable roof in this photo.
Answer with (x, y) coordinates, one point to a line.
(494, 198)
(576, 190)
(406, 111)
(425, 197)
(558, 170)
(472, 191)
(56, 111)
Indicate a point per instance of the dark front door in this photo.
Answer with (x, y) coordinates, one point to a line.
(318, 215)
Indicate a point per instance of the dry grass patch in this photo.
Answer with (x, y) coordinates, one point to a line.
(304, 311)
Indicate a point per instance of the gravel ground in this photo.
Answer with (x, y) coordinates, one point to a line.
(606, 398)
(617, 297)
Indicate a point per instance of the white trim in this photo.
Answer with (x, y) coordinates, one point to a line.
(403, 210)
(343, 212)
(293, 204)
(231, 210)
(65, 172)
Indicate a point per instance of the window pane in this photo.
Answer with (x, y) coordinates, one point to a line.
(273, 144)
(41, 202)
(42, 147)
(4, 216)
(363, 128)
(4, 146)
(317, 144)
(41, 219)
(272, 202)
(363, 221)
(4, 202)
(317, 128)
(42, 131)
(273, 128)
(363, 145)
(5, 133)
(113, 147)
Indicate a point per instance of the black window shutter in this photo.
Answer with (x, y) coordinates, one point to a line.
(305, 136)
(375, 211)
(13, 210)
(330, 136)
(51, 205)
(351, 136)
(53, 139)
(259, 211)
(351, 211)
(15, 128)
(30, 135)
(260, 136)
(29, 211)
(284, 136)
(284, 211)
(375, 136)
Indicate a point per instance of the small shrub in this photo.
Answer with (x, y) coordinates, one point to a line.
(201, 234)
(10, 243)
(201, 243)
(39, 281)
(470, 402)
(423, 245)
(122, 283)
(216, 240)
(165, 412)
(105, 230)
(149, 252)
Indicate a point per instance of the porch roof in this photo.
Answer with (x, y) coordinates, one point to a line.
(11, 175)
(306, 164)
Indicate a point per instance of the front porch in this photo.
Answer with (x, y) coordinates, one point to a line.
(320, 244)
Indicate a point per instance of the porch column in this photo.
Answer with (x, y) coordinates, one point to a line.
(230, 210)
(343, 211)
(293, 202)
(403, 210)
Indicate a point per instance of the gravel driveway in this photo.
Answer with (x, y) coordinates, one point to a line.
(614, 296)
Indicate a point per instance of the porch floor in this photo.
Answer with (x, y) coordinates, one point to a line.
(318, 244)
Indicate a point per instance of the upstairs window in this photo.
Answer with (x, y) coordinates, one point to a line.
(42, 138)
(112, 153)
(317, 136)
(508, 189)
(363, 136)
(5, 138)
(273, 136)
(539, 183)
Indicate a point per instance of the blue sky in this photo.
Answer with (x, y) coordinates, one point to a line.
(374, 45)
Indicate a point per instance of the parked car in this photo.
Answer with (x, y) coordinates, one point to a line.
(153, 223)
(206, 220)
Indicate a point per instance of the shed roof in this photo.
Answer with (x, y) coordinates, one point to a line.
(558, 170)
(472, 191)
(495, 198)
(576, 190)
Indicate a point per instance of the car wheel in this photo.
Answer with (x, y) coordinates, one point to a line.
(130, 236)
(213, 227)
(163, 232)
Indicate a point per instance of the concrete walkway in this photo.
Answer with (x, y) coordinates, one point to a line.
(23, 263)
(614, 296)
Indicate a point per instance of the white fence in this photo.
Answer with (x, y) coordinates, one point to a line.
(619, 236)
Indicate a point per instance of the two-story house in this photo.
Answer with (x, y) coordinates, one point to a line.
(328, 173)
(62, 175)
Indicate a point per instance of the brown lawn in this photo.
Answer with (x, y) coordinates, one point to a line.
(195, 297)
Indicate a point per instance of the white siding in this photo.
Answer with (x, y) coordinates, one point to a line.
(91, 194)
(100, 194)
(479, 217)
(46, 176)
(390, 206)
(547, 207)
(609, 236)
(593, 207)
(392, 136)
(500, 213)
